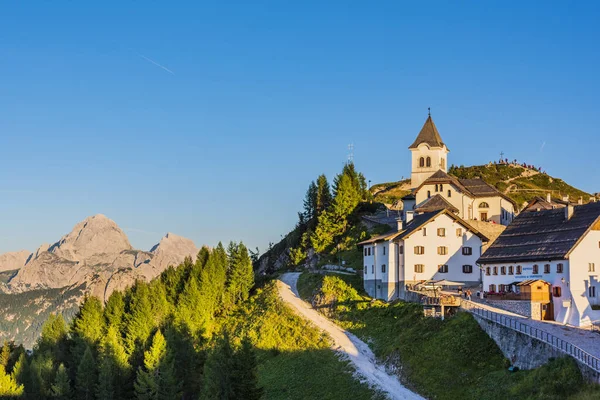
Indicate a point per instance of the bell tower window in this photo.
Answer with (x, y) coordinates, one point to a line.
(421, 162)
(429, 161)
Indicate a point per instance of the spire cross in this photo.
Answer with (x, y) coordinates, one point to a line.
(429, 111)
(502, 155)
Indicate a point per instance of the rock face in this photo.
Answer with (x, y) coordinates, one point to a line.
(14, 260)
(96, 253)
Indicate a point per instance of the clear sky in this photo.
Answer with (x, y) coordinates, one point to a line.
(209, 120)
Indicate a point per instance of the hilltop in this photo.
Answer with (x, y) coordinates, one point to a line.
(518, 182)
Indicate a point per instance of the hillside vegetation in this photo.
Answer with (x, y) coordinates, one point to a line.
(452, 359)
(195, 332)
(517, 182)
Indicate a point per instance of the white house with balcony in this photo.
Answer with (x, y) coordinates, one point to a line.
(433, 245)
(557, 253)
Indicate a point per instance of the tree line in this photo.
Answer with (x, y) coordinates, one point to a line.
(157, 340)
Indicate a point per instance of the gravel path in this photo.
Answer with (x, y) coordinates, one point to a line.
(355, 349)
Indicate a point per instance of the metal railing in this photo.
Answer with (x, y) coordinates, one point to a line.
(562, 345)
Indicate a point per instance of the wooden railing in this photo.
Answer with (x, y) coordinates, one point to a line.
(539, 334)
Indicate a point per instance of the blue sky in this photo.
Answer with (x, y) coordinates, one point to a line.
(250, 101)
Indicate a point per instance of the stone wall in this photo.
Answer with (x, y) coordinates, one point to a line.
(524, 351)
(521, 307)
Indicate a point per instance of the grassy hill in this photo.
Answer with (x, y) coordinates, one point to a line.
(519, 183)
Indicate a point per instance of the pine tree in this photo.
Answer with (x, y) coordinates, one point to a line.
(219, 372)
(246, 373)
(61, 388)
(182, 345)
(86, 377)
(8, 385)
(41, 375)
(87, 327)
(310, 202)
(240, 274)
(114, 371)
(115, 310)
(156, 380)
(5, 355)
(323, 199)
(139, 321)
(20, 371)
(54, 339)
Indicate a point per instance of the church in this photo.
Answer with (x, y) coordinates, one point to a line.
(439, 235)
(433, 188)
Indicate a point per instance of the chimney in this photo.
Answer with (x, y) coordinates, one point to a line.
(592, 199)
(568, 212)
(566, 198)
(548, 197)
(399, 223)
(580, 201)
(409, 216)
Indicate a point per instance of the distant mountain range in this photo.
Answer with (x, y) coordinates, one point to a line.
(95, 258)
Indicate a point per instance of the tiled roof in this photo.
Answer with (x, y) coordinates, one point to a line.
(429, 135)
(542, 235)
(436, 203)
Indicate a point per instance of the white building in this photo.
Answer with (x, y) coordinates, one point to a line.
(471, 199)
(434, 245)
(559, 247)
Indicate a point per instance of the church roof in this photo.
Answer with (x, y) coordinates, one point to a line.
(429, 135)
(417, 223)
(436, 203)
(472, 187)
(542, 235)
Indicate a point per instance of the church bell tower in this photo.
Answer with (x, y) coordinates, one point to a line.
(429, 154)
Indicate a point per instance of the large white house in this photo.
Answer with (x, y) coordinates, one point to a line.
(471, 199)
(433, 245)
(555, 252)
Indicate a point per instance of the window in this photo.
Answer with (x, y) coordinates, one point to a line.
(511, 270)
(488, 270)
(449, 193)
(365, 251)
(429, 194)
(483, 216)
(459, 232)
(483, 204)
(591, 267)
(503, 270)
(441, 187)
(420, 250)
(372, 269)
(383, 268)
(467, 269)
(366, 270)
(441, 232)
(495, 269)
(429, 161)
(421, 162)
(492, 288)
(559, 268)
(547, 268)
(442, 250)
(436, 187)
(369, 251)
(424, 231)
(401, 249)
(592, 291)
(535, 270)
(443, 269)
(519, 270)
(467, 251)
(419, 268)
(556, 291)
(383, 250)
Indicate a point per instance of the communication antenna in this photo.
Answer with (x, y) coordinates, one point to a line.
(351, 153)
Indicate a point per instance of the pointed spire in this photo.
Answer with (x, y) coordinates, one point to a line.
(429, 134)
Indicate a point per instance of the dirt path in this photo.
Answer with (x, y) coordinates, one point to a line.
(355, 349)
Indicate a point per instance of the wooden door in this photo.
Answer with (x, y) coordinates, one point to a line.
(547, 312)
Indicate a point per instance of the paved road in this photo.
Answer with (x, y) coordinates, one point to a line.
(355, 349)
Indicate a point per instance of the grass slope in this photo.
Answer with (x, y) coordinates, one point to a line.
(524, 185)
(295, 359)
(452, 359)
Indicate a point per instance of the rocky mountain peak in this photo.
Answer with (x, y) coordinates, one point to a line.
(13, 260)
(93, 236)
